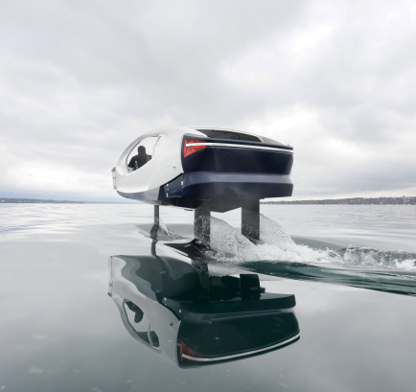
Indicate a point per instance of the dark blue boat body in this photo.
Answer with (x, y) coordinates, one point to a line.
(227, 173)
(198, 318)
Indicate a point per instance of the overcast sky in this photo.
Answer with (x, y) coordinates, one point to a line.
(79, 80)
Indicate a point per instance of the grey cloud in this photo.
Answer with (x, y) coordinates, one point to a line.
(79, 81)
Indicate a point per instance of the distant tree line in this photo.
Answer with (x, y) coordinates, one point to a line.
(51, 201)
(21, 200)
(408, 200)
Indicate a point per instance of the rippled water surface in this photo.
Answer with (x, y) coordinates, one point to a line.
(351, 270)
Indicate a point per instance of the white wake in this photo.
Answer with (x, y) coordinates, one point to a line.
(276, 245)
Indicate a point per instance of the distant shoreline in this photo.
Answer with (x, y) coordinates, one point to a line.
(405, 200)
(18, 200)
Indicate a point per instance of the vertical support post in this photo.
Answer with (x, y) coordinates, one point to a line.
(250, 220)
(154, 229)
(201, 267)
(156, 215)
(202, 222)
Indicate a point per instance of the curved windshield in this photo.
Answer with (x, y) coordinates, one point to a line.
(141, 153)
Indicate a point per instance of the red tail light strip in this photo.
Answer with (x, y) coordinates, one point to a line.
(191, 146)
(187, 355)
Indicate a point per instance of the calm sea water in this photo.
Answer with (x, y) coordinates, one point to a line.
(351, 270)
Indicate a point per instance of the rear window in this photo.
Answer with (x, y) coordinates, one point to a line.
(229, 135)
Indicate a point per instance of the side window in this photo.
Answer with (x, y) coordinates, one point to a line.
(140, 323)
(141, 153)
(159, 144)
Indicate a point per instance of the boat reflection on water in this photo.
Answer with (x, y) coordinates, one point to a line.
(178, 311)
